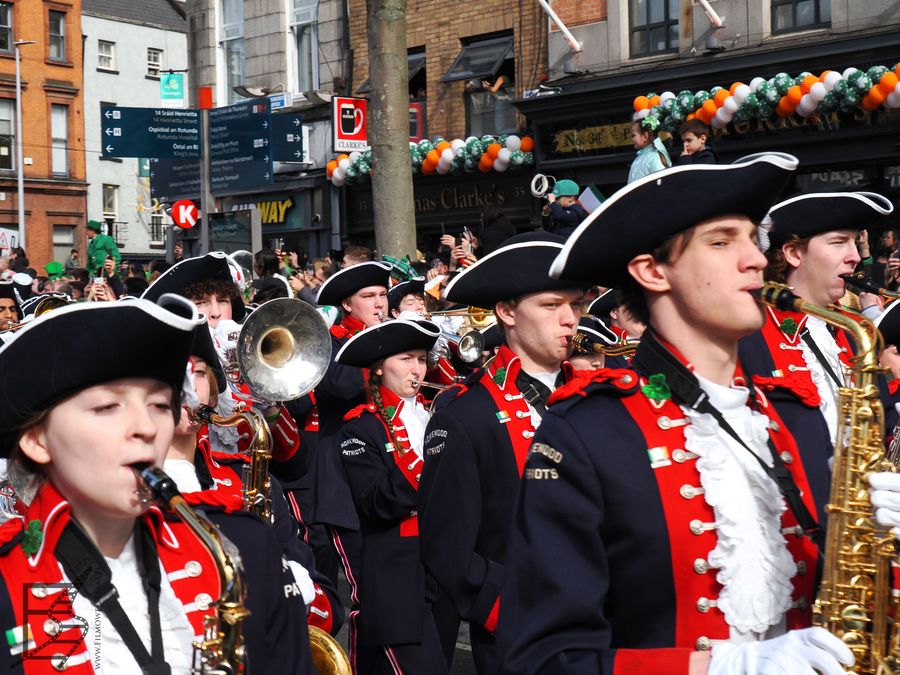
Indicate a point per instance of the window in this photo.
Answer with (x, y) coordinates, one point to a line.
(7, 135)
(415, 70)
(154, 62)
(59, 131)
(63, 242)
(489, 69)
(106, 55)
(792, 15)
(157, 229)
(110, 202)
(232, 44)
(57, 36)
(654, 26)
(6, 28)
(306, 44)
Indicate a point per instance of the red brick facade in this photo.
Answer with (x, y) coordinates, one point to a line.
(50, 199)
(579, 12)
(439, 27)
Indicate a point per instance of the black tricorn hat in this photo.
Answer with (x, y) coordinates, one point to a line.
(815, 213)
(493, 337)
(606, 302)
(386, 339)
(349, 280)
(597, 330)
(519, 267)
(76, 343)
(889, 324)
(643, 214)
(404, 288)
(191, 270)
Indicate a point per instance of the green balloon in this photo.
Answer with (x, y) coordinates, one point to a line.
(851, 98)
(782, 82)
(830, 102)
(751, 104)
(700, 98)
(528, 158)
(863, 83)
(677, 116)
(517, 158)
(840, 87)
(487, 139)
(875, 73)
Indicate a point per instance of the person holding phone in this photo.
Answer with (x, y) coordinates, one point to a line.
(306, 283)
(100, 246)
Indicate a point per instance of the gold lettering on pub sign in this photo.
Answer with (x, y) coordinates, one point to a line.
(592, 138)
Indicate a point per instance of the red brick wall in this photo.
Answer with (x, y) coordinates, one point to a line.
(438, 26)
(579, 12)
(45, 82)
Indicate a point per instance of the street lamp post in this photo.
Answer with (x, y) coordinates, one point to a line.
(20, 169)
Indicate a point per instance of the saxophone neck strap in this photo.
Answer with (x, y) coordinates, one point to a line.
(91, 576)
(820, 357)
(653, 357)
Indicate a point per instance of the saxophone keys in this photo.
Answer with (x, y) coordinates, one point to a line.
(854, 618)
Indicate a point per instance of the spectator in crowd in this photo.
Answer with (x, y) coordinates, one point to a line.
(887, 245)
(695, 137)
(652, 155)
(5, 271)
(266, 265)
(72, 261)
(135, 286)
(562, 208)
(157, 267)
(495, 228)
(353, 255)
(306, 284)
(18, 261)
(100, 248)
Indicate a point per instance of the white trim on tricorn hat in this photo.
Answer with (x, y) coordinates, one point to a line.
(594, 327)
(344, 283)
(397, 292)
(888, 322)
(178, 277)
(88, 344)
(640, 216)
(386, 339)
(806, 215)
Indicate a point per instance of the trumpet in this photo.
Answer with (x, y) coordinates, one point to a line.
(585, 344)
(476, 317)
(860, 283)
(467, 348)
(43, 306)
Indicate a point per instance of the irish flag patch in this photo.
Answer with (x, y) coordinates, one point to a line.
(503, 417)
(659, 457)
(19, 639)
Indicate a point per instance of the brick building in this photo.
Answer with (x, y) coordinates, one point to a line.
(53, 127)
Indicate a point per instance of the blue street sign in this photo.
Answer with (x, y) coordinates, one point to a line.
(174, 179)
(239, 146)
(287, 138)
(280, 100)
(149, 132)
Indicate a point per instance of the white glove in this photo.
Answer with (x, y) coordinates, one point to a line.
(798, 652)
(886, 499)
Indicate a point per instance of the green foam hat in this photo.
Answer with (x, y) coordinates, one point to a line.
(566, 188)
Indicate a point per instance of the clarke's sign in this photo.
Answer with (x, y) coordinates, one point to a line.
(349, 122)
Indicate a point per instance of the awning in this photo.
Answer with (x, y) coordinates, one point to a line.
(480, 60)
(414, 63)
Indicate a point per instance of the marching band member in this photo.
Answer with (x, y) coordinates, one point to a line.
(648, 529)
(95, 579)
(9, 306)
(381, 449)
(594, 329)
(477, 440)
(407, 296)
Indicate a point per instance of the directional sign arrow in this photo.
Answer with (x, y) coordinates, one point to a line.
(109, 149)
(107, 114)
(152, 132)
(265, 125)
(109, 132)
(296, 122)
(298, 154)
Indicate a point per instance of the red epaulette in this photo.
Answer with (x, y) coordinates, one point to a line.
(230, 501)
(620, 377)
(228, 457)
(893, 385)
(802, 387)
(10, 530)
(359, 410)
(339, 331)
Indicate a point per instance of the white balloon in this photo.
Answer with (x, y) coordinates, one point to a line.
(847, 73)
(456, 144)
(892, 100)
(504, 155)
(806, 106)
(897, 88)
(817, 91)
(344, 164)
(665, 96)
(717, 123)
(355, 155)
(730, 105)
(500, 166)
(741, 92)
(755, 82)
(640, 114)
(513, 143)
(721, 119)
(337, 181)
(831, 79)
(443, 168)
(447, 155)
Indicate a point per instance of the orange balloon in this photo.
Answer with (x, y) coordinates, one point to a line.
(794, 94)
(785, 107)
(720, 97)
(709, 107)
(433, 156)
(690, 117)
(807, 83)
(494, 149)
(877, 96)
(654, 100)
(868, 103)
(443, 145)
(888, 81)
(527, 144)
(428, 167)
(340, 157)
(640, 103)
(330, 167)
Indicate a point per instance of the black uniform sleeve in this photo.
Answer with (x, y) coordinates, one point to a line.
(450, 519)
(380, 491)
(342, 381)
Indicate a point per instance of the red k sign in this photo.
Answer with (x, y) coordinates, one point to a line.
(185, 214)
(349, 121)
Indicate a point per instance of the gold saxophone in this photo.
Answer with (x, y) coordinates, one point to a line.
(220, 651)
(854, 600)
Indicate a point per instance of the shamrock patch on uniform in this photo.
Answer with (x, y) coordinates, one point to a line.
(32, 537)
(657, 389)
(788, 326)
(500, 376)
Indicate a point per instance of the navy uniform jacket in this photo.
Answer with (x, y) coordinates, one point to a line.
(391, 579)
(475, 449)
(606, 568)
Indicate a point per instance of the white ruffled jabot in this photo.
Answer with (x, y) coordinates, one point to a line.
(828, 390)
(755, 567)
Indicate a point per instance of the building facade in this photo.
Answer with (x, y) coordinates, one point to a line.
(128, 47)
(630, 48)
(52, 128)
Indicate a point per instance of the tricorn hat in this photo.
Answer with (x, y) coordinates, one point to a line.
(191, 270)
(386, 339)
(349, 280)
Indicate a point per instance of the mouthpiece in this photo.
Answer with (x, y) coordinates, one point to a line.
(157, 481)
(778, 296)
(860, 283)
